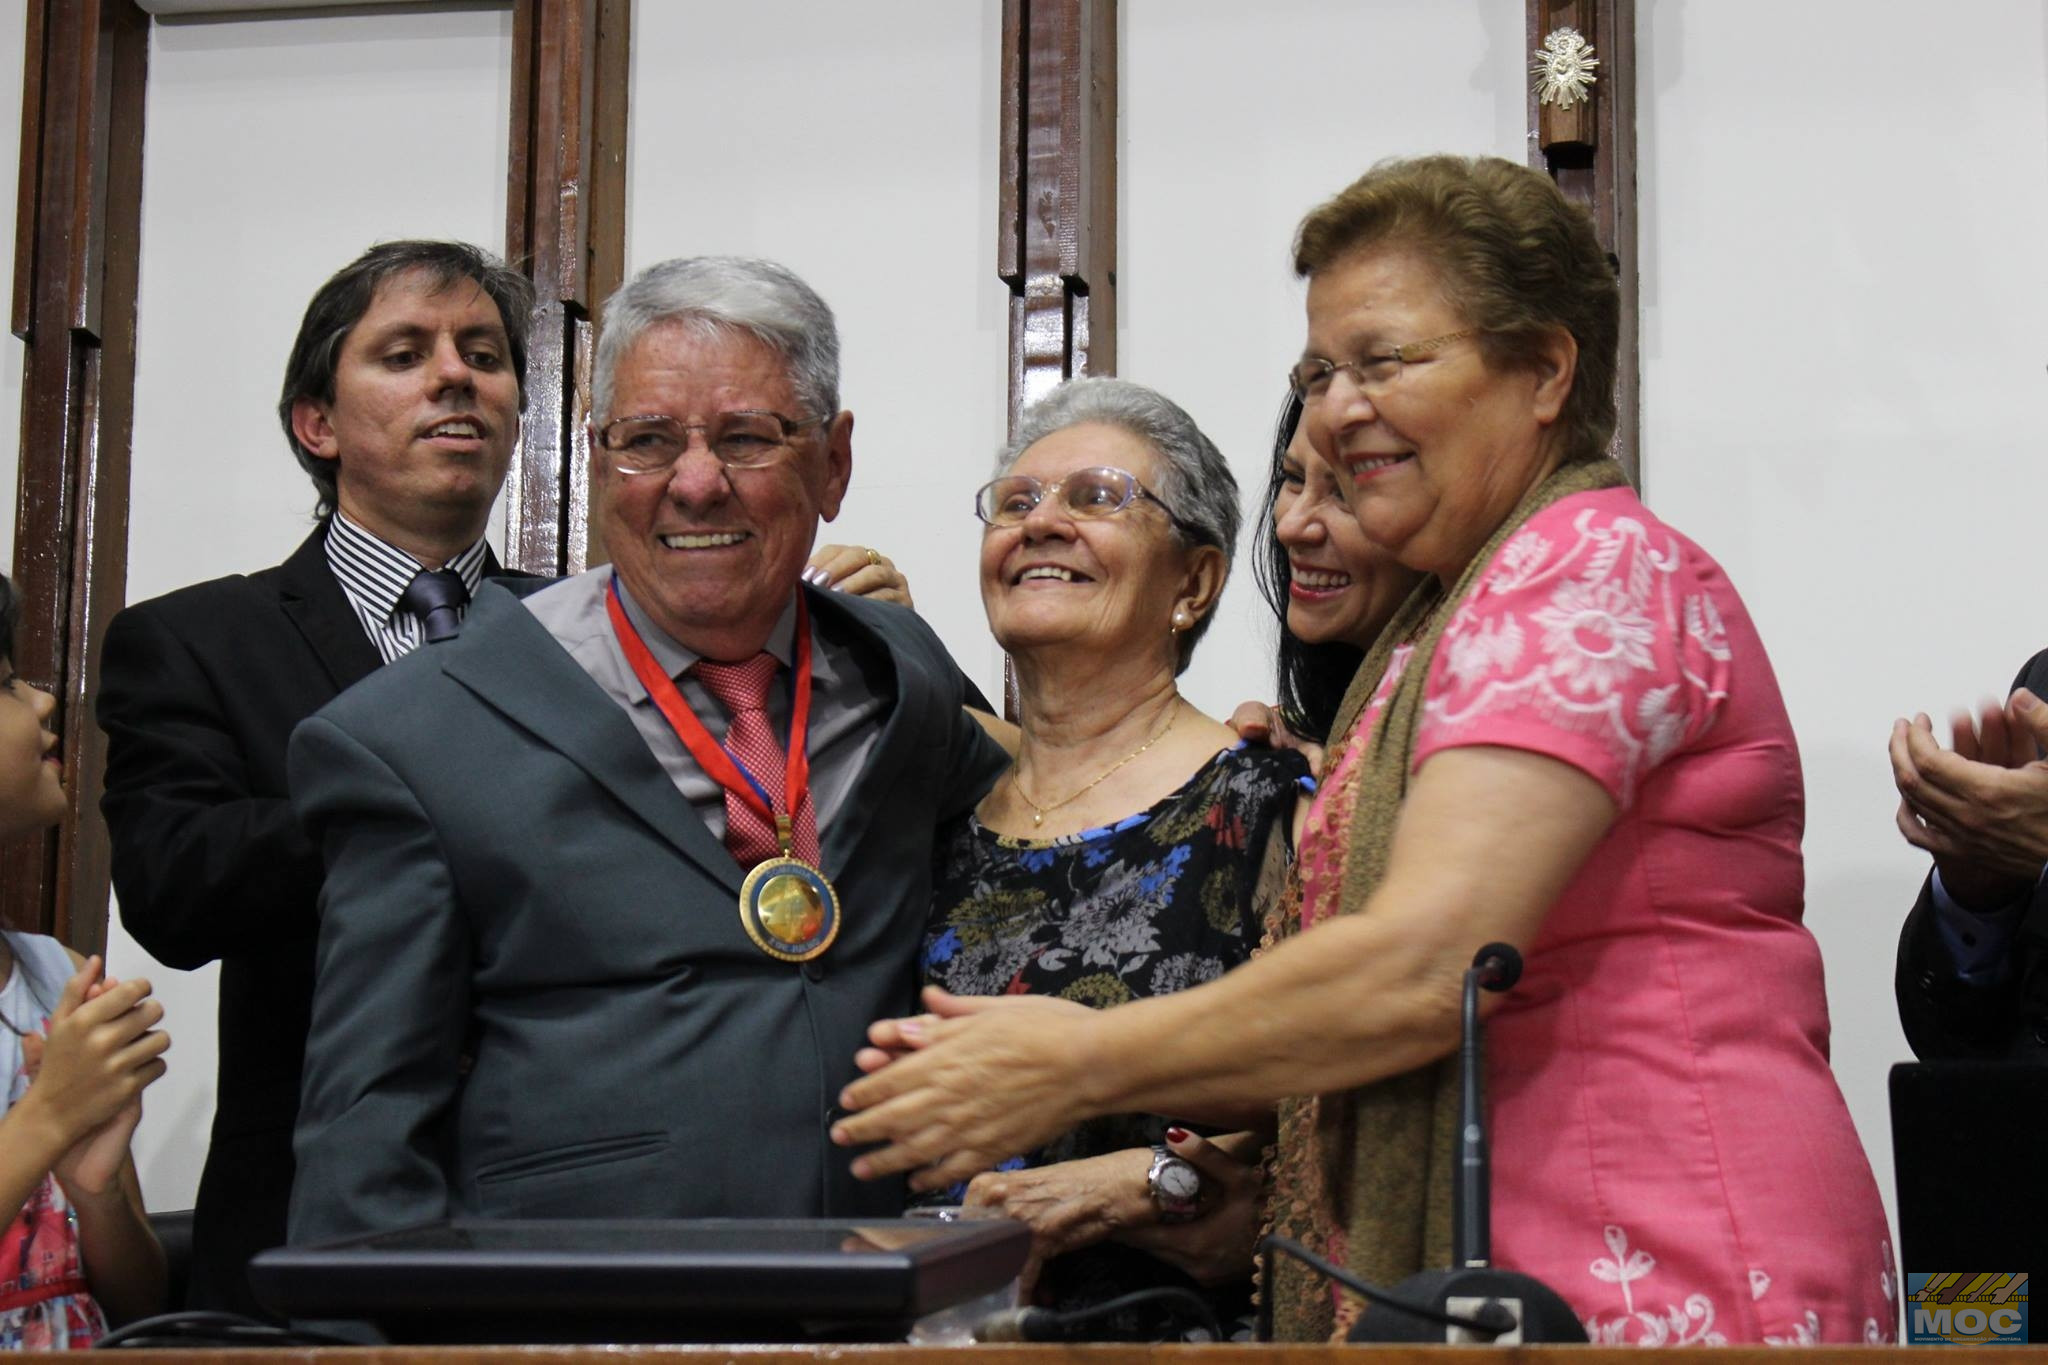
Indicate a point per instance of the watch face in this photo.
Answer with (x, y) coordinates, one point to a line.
(1179, 1183)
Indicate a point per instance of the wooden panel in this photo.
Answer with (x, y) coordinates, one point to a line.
(29, 172)
(1056, 199)
(1056, 195)
(565, 222)
(84, 103)
(1591, 152)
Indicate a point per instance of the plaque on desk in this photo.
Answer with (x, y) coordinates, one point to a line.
(615, 1280)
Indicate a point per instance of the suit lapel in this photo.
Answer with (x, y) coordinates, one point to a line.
(510, 662)
(311, 597)
(869, 795)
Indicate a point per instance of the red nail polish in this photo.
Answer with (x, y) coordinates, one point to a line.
(1176, 1135)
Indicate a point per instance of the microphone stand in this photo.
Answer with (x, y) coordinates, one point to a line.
(1496, 968)
(1510, 1308)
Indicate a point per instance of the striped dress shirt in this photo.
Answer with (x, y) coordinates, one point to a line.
(374, 574)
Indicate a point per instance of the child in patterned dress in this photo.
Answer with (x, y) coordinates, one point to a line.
(76, 1050)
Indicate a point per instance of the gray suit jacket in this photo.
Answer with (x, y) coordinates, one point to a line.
(534, 996)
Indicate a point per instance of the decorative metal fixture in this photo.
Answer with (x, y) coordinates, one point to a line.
(1564, 66)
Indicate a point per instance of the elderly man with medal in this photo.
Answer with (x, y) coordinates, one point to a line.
(618, 876)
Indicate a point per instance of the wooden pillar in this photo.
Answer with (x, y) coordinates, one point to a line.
(565, 222)
(1056, 200)
(76, 249)
(1589, 147)
(1056, 206)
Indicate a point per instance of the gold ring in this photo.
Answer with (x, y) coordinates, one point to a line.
(874, 557)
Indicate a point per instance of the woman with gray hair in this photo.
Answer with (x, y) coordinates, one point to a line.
(1131, 848)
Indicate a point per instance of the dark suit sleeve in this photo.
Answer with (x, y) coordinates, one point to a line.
(1944, 1016)
(203, 864)
(390, 1002)
(973, 696)
(2034, 676)
(977, 760)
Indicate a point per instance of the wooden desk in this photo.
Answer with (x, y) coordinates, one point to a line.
(1071, 1355)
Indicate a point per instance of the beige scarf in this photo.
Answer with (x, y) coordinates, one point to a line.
(1374, 1164)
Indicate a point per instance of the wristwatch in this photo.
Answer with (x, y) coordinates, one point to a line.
(1175, 1185)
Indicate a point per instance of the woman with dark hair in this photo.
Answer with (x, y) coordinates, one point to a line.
(1331, 588)
(1569, 739)
(76, 1050)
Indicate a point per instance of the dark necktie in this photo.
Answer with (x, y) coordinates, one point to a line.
(437, 597)
(742, 689)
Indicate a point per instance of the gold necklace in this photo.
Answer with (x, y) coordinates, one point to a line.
(1038, 812)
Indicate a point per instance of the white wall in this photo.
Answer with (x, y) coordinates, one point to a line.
(856, 145)
(1844, 295)
(1236, 121)
(275, 150)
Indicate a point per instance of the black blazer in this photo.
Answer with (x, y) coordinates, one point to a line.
(199, 693)
(1944, 1017)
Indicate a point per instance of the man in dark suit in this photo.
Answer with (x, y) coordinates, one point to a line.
(545, 860)
(401, 400)
(1973, 957)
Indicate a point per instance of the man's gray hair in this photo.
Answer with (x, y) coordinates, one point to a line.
(719, 295)
(1194, 479)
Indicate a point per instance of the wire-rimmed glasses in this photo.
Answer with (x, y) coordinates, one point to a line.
(746, 439)
(1102, 491)
(1309, 378)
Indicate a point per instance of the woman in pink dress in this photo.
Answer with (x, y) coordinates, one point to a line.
(1569, 738)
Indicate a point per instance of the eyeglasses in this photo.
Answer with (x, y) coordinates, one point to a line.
(740, 440)
(1310, 378)
(1086, 493)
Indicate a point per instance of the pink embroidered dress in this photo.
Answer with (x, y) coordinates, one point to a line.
(1671, 1152)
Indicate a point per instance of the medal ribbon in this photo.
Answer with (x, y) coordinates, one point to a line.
(713, 757)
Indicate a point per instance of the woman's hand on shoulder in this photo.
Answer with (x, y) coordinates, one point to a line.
(1215, 1246)
(1261, 723)
(859, 570)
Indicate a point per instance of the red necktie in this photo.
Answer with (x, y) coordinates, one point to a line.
(742, 689)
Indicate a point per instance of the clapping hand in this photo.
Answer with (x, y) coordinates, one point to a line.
(88, 1070)
(1980, 807)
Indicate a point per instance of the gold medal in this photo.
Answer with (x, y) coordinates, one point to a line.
(788, 909)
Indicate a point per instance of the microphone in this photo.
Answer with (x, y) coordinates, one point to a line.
(1499, 966)
(1496, 967)
(1513, 1307)
(1077, 1324)
(1483, 1322)
(1021, 1324)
